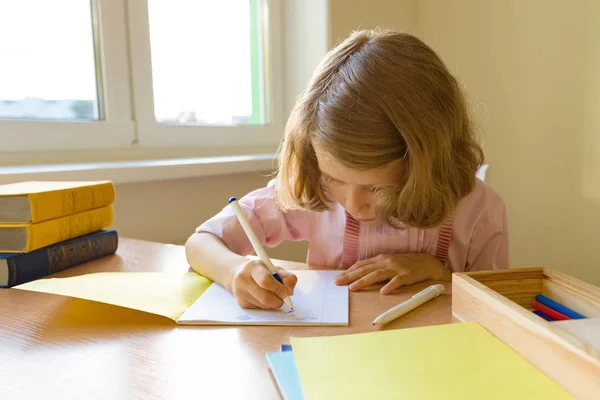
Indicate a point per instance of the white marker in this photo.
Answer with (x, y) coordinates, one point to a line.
(420, 298)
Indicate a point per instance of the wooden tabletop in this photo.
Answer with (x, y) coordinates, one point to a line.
(55, 347)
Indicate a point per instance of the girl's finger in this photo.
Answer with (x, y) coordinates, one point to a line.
(394, 283)
(351, 276)
(403, 279)
(289, 280)
(360, 264)
(265, 298)
(247, 301)
(265, 280)
(375, 276)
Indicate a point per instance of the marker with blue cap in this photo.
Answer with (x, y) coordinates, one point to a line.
(548, 302)
(258, 248)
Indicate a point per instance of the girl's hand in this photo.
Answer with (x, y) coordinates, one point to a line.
(400, 269)
(254, 287)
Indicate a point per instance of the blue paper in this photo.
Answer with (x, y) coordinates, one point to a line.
(283, 366)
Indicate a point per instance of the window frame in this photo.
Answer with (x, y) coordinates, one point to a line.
(123, 42)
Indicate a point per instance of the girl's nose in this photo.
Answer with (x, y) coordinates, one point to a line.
(357, 201)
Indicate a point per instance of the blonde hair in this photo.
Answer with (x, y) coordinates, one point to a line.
(376, 97)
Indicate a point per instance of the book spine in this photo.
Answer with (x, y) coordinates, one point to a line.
(47, 233)
(28, 267)
(60, 203)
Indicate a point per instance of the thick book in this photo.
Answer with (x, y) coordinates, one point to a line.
(16, 269)
(32, 201)
(24, 238)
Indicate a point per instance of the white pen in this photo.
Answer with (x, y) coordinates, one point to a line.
(420, 298)
(258, 248)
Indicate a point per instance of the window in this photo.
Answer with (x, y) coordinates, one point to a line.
(187, 89)
(50, 76)
(93, 74)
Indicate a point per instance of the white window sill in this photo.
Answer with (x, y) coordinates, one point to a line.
(141, 170)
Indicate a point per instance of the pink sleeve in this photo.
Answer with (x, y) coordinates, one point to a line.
(483, 245)
(271, 225)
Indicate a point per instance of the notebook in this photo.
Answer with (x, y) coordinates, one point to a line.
(190, 299)
(317, 301)
(453, 361)
(283, 367)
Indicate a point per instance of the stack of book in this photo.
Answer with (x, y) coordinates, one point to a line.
(47, 227)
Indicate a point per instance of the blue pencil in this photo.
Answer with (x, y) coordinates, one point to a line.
(541, 314)
(558, 307)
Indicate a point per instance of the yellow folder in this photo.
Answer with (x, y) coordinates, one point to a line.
(454, 361)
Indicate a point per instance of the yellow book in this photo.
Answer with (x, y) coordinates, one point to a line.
(34, 201)
(23, 238)
(453, 361)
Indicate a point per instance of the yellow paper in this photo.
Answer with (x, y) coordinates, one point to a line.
(165, 294)
(454, 361)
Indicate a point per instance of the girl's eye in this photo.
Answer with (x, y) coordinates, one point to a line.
(331, 180)
(376, 188)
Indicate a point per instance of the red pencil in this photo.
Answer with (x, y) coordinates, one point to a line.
(555, 315)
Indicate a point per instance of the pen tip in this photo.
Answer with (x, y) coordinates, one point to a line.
(232, 199)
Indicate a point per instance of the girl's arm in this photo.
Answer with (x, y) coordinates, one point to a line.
(209, 257)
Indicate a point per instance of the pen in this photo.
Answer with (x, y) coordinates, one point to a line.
(258, 248)
(410, 304)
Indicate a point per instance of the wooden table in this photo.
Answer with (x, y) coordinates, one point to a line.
(55, 347)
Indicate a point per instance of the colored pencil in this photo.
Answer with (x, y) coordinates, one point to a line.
(555, 315)
(541, 314)
(548, 302)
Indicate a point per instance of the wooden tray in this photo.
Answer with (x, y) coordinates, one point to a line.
(501, 302)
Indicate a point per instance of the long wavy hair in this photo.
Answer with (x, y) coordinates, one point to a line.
(376, 97)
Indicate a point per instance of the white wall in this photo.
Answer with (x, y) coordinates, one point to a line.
(532, 70)
(306, 32)
(349, 15)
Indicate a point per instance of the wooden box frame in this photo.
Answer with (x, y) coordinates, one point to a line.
(501, 302)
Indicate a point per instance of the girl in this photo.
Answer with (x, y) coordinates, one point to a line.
(376, 171)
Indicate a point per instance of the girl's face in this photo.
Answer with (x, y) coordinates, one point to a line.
(354, 189)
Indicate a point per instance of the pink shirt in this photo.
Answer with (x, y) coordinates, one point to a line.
(475, 237)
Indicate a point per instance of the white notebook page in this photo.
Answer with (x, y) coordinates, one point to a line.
(317, 301)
